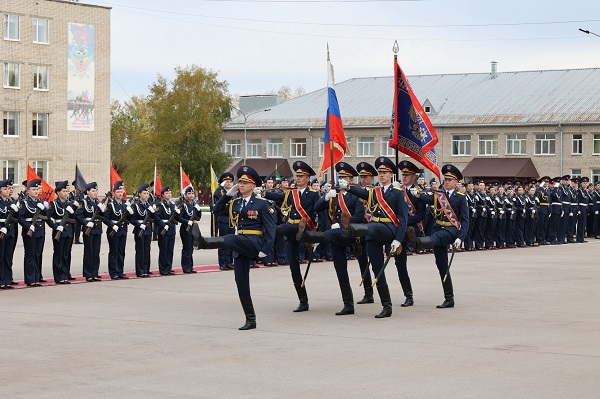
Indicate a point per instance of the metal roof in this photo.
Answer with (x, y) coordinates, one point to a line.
(528, 97)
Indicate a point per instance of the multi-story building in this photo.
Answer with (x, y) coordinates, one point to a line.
(493, 125)
(55, 94)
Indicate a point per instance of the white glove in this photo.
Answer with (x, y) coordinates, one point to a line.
(60, 228)
(533, 211)
(395, 245)
(14, 207)
(70, 210)
(116, 228)
(570, 213)
(327, 186)
(397, 184)
(177, 210)
(330, 194)
(457, 243)
(562, 214)
(190, 223)
(343, 184)
(258, 191)
(556, 184)
(75, 203)
(542, 184)
(143, 226)
(127, 203)
(101, 206)
(41, 206)
(232, 192)
(335, 226)
(166, 227)
(89, 224)
(3, 230)
(129, 209)
(415, 192)
(596, 213)
(261, 254)
(493, 212)
(152, 208)
(32, 228)
(46, 204)
(197, 207)
(579, 212)
(502, 212)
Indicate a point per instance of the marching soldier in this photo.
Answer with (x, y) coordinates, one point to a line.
(222, 224)
(60, 220)
(255, 221)
(9, 210)
(450, 228)
(387, 225)
(190, 213)
(32, 214)
(165, 218)
(116, 220)
(90, 216)
(142, 230)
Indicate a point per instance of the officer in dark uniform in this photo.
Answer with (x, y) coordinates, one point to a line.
(165, 219)
(492, 217)
(190, 213)
(472, 204)
(255, 221)
(116, 219)
(583, 200)
(295, 204)
(142, 219)
(596, 210)
(482, 214)
(451, 225)
(543, 214)
(555, 212)
(33, 232)
(387, 225)
(76, 195)
(90, 214)
(223, 226)
(58, 210)
(565, 194)
(9, 209)
(573, 187)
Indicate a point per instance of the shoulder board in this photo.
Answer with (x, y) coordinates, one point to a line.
(312, 191)
(459, 193)
(260, 198)
(397, 188)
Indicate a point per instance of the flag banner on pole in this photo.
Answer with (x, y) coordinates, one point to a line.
(79, 180)
(412, 132)
(277, 175)
(185, 180)
(114, 177)
(213, 180)
(47, 193)
(334, 128)
(157, 183)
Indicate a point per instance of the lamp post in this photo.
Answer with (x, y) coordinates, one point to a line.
(246, 116)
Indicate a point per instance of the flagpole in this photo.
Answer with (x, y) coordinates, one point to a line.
(213, 227)
(395, 50)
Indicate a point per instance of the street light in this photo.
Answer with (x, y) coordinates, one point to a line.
(246, 116)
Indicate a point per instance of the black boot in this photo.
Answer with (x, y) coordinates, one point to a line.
(210, 243)
(313, 237)
(301, 235)
(448, 294)
(302, 296)
(249, 312)
(355, 230)
(367, 283)
(386, 301)
(408, 294)
(348, 299)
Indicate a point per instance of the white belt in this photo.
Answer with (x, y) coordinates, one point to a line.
(566, 203)
(56, 220)
(2, 220)
(165, 221)
(28, 219)
(574, 203)
(582, 204)
(556, 203)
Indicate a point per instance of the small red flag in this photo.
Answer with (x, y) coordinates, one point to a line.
(47, 193)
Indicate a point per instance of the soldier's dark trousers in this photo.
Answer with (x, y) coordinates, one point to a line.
(379, 234)
(401, 267)
(479, 233)
(542, 224)
(553, 224)
(142, 254)
(520, 230)
(116, 255)
(225, 256)
(470, 237)
(281, 250)
(562, 227)
(571, 226)
(91, 255)
(338, 245)
(510, 233)
(500, 233)
(363, 262)
(166, 244)
(61, 258)
(7, 248)
(490, 232)
(187, 250)
(289, 231)
(530, 223)
(33, 257)
(581, 225)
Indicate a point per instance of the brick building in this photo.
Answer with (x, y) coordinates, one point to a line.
(492, 124)
(55, 97)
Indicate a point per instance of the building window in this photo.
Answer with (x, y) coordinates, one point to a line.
(321, 147)
(11, 27)
(365, 147)
(427, 109)
(40, 168)
(516, 144)
(233, 148)
(11, 123)
(576, 173)
(297, 148)
(10, 170)
(274, 148)
(595, 176)
(253, 148)
(596, 144)
(385, 149)
(40, 77)
(40, 125)
(545, 144)
(461, 145)
(40, 30)
(577, 144)
(12, 75)
(488, 144)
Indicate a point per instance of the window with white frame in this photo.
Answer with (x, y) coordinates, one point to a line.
(545, 144)
(576, 173)
(321, 147)
(274, 148)
(595, 175)
(253, 148)
(461, 144)
(11, 123)
(365, 147)
(516, 144)
(40, 124)
(297, 148)
(488, 144)
(40, 168)
(40, 77)
(577, 148)
(233, 148)
(385, 149)
(12, 75)
(10, 170)
(11, 27)
(40, 30)
(596, 145)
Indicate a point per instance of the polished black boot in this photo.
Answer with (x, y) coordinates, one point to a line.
(448, 294)
(386, 301)
(302, 296)
(354, 230)
(249, 312)
(348, 299)
(368, 297)
(408, 293)
(417, 243)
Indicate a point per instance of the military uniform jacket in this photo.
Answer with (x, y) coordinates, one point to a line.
(556, 200)
(308, 200)
(114, 212)
(520, 205)
(510, 206)
(490, 205)
(85, 212)
(458, 203)
(222, 216)
(472, 204)
(57, 211)
(139, 214)
(354, 204)
(500, 206)
(543, 196)
(574, 204)
(189, 210)
(583, 199)
(531, 204)
(257, 216)
(481, 204)
(565, 195)
(164, 211)
(5, 211)
(26, 212)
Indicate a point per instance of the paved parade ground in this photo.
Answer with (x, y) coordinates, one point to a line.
(526, 325)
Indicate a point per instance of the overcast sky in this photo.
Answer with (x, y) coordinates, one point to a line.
(260, 45)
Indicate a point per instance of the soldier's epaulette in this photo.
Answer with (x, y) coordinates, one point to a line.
(313, 191)
(260, 198)
(397, 188)
(458, 192)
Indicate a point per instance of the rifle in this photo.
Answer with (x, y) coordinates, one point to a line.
(10, 219)
(64, 222)
(147, 220)
(170, 222)
(37, 216)
(95, 217)
(194, 218)
(121, 222)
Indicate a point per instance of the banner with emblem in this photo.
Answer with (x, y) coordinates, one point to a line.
(47, 193)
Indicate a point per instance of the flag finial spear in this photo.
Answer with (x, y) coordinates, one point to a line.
(396, 48)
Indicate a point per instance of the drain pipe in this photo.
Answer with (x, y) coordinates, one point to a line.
(561, 148)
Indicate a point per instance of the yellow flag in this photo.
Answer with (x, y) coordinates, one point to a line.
(213, 180)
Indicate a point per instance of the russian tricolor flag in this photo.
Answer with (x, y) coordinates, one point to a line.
(334, 144)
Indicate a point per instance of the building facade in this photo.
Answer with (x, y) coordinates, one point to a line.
(55, 96)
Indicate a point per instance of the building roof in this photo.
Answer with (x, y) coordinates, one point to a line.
(527, 97)
(501, 167)
(266, 167)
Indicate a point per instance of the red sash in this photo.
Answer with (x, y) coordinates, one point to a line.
(301, 211)
(385, 207)
(412, 210)
(342, 203)
(445, 205)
